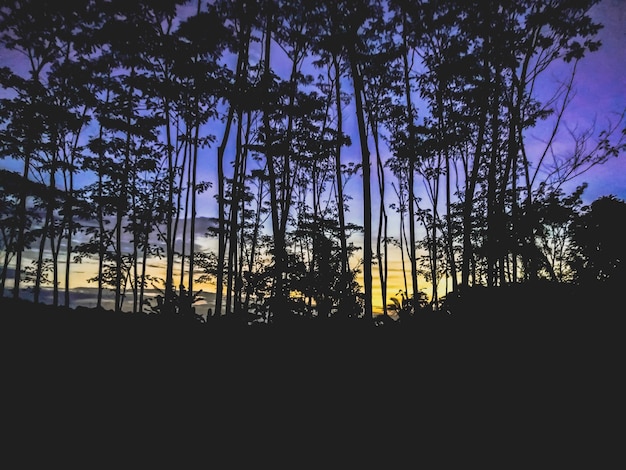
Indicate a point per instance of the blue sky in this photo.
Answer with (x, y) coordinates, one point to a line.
(600, 88)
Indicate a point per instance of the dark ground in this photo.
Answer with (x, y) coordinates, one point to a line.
(513, 312)
(519, 321)
(524, 379)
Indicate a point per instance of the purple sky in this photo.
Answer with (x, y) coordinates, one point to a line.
(601, 95)
(600, 88)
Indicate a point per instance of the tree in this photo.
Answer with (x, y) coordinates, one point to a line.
(241, 18)
(33, 31)
(327, 26)
(360, 15)
(598, 254)
(202, 39)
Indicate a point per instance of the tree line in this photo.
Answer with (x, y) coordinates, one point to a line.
(115, 106)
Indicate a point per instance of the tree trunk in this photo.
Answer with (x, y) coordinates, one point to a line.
(339, 180)
(279, 249)
(411, 175)
(21, 228)
(367, 195)
(240, 75)
(192, 228)
(221, 209)
(471, 182)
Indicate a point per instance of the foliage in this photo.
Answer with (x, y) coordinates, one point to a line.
(598, 253)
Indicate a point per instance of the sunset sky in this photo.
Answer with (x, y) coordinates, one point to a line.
(600, 97)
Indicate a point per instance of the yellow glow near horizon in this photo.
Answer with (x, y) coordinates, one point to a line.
(87, 269)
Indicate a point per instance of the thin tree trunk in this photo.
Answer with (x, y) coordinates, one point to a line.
(169, 234)
(236, 188)
(381, 237)
(367, 195)
(238, 299)
(402, 231)
(221, 205)
(242, 67)
(100, 211)
(118, 254)
(468, 203)
(183, 248)
(21, 228)
(450, 238)
(54, 249)
(286, 188)
(493, 229)
(144, 264)
(279, 267)
(40, 256)
(192, 228)
(135, 257)
(70, 223)
(339, 180)
(434, 247)
(411, 173)
(255, 234)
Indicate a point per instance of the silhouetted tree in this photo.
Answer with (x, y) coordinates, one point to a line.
(242, 19)
(328, 45)
(34, 31)
(598, 253)
(358, 18)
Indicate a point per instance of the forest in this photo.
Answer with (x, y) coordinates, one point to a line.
(122, 121)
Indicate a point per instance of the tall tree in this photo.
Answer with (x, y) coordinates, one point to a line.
(269, 141)
(327, 21)
(360, 14)
(241, 18)
(34, 31)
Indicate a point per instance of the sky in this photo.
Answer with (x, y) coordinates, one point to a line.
(600, 87)
(600, 97)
